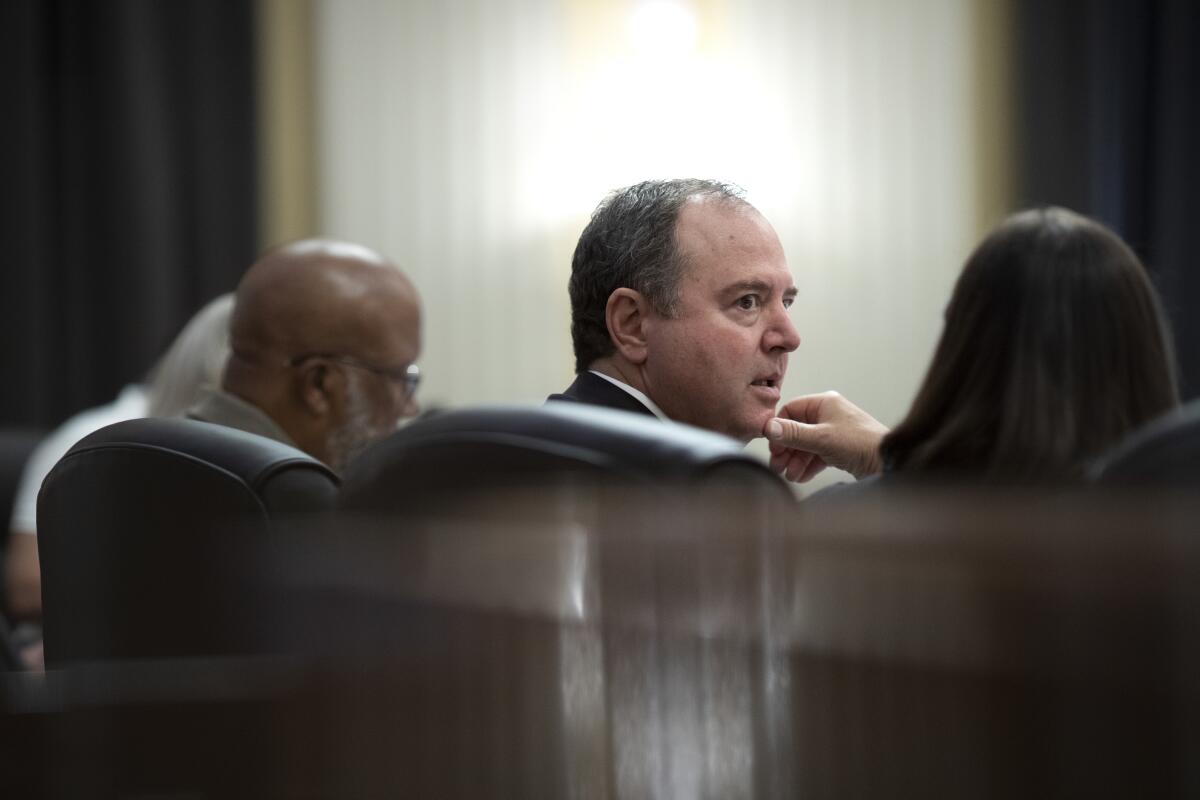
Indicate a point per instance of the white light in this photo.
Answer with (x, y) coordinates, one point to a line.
(663, 28)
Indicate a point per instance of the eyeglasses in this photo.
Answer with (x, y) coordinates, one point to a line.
(410, 376)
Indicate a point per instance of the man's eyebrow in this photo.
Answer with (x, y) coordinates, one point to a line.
(748, 286)
(757, 286)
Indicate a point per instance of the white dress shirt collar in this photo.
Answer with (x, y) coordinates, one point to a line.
(634, 393)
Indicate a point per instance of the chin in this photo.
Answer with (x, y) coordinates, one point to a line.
(748, 432)
(745, 426)
(753, 426)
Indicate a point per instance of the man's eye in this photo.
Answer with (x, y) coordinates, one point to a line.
(787, 302)
(748, 302)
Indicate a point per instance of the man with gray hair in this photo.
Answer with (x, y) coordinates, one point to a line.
(680, 293)
(679, 308)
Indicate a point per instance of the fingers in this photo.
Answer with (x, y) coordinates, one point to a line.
(780, 461)
(801, 467)
(819, 430)
(807, 408)
(796, 435)
(814, 468)
(797, 466)
(794, 449)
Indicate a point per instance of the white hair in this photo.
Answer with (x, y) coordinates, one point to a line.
(193, 362)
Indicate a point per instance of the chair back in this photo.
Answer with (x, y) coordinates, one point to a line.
(1164, 454)
(558, 446)
(147, 535)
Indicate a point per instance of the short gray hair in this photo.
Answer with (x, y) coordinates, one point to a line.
(630, 242)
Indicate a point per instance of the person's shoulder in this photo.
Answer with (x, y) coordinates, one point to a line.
(594, 390)
(587, 388)
(129, 404)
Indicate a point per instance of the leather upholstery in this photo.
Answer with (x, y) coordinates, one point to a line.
(1164, 454)
(147, 534)
(497, 447)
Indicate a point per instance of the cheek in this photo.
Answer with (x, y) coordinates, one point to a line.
(368, 406)
(385, 415)
(712, 357)
(687, 357)
(726, 354)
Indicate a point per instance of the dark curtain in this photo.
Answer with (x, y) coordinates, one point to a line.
(1108, 96)
(128, 187)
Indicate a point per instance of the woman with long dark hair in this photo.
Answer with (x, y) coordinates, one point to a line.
(1054, 348)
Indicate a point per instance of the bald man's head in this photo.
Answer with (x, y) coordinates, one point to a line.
(321, 336)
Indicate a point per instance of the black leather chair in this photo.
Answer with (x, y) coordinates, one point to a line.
(147, 531)
(437, 460)
(1164, 454)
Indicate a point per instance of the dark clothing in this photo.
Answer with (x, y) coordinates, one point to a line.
(595, 391)
(222, 408)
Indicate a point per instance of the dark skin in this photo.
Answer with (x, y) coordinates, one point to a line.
(323, 297)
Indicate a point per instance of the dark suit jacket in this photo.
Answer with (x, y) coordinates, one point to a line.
(595, 391)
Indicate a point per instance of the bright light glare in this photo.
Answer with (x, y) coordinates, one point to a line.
(623, 117)
(660, 123)
(660, 28)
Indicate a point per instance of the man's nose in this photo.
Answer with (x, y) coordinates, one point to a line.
(782, 334)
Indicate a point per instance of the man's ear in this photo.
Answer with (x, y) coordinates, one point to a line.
(626, 315)
(318, 385)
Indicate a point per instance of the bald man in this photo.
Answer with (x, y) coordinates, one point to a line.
(324, 342)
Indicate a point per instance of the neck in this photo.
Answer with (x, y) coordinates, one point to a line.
(273, 395)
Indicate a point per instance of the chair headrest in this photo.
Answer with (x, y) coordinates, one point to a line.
(492, 445)
(1164, 453)
(146, 527)
(249, 458)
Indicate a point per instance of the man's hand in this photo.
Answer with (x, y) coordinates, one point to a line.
(820, 430)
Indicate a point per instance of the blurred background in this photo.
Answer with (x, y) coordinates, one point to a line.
(153, 149)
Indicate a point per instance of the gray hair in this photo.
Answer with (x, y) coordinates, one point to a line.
(193, 361)
(630, 242)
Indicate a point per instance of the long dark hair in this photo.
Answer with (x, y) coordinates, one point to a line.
(1054, 347)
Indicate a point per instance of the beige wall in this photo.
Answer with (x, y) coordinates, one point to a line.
(470, 140)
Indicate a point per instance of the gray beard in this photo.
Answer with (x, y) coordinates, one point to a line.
(356, 433)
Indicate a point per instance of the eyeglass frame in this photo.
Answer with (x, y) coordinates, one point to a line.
(410, 376)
